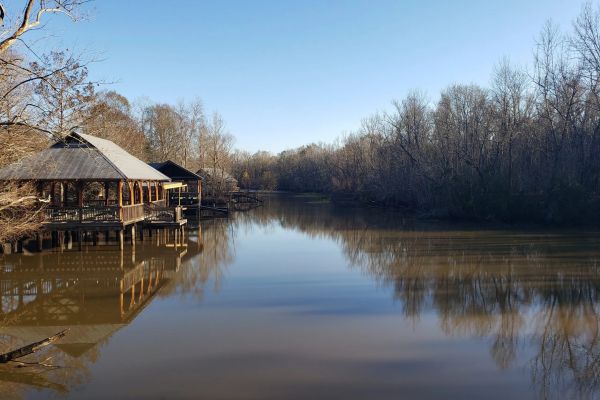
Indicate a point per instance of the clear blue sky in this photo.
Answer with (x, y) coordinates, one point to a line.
(285, 73)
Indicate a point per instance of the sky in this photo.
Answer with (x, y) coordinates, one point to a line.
(291, 72)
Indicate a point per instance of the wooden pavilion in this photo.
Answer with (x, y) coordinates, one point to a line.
(92, 184)
(185, 188)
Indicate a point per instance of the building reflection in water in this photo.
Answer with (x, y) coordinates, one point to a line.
(532, 296)
(93, 293)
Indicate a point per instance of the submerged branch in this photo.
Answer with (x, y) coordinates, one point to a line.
(30, 348)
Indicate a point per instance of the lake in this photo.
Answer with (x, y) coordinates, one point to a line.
(299, 299)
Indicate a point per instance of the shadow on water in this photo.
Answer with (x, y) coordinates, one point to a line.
(529, 292)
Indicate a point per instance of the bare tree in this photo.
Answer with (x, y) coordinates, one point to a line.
(111, 117)
(215, 155)
(27, 113)
(31, 17)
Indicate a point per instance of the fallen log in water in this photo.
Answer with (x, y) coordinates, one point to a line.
(30, 348)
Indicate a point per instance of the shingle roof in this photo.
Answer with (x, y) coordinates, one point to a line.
(174, 170)
(81, 157)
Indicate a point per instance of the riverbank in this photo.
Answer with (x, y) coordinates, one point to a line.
(523, 219)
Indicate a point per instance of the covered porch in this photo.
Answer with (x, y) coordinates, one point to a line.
(99, 203)
(93, 203)
(92, 185)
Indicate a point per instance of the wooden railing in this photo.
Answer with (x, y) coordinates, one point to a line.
(184, 198)
(132, 213)
(162, 214)
(108, 214)
(82, 214)
(100, 203)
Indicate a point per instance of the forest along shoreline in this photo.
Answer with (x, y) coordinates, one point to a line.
(523, 150)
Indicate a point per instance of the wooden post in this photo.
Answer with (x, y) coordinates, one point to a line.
(150, 281)
(131, 194)
(121, 296)
(61, 240)
(106, 192)
(53, 193)
(149, 192)
(121, 238)
(120, 199)
(141, 192)
(64, 186)
(132, 233)
(156, 191)
(79, 190)
(132, 300)
(79, 186)
(120, 193)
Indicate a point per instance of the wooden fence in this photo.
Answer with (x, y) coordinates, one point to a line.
(94, 214)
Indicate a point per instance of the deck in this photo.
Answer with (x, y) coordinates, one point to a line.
(111, 216)
(159, 216)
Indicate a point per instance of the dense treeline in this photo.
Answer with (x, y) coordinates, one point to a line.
(526, 148)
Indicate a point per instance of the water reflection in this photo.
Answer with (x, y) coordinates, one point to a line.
(94, 293)
(215, 239)
(538, 291)
(531, 297)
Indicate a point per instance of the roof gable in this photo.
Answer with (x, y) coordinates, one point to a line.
(130, 167)
(81, 157)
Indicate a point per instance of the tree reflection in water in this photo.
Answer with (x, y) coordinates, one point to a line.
(525, 292)
(521, 289)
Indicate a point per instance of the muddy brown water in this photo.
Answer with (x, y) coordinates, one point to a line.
(302, 300)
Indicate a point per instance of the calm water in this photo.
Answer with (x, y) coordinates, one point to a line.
(298, 300)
